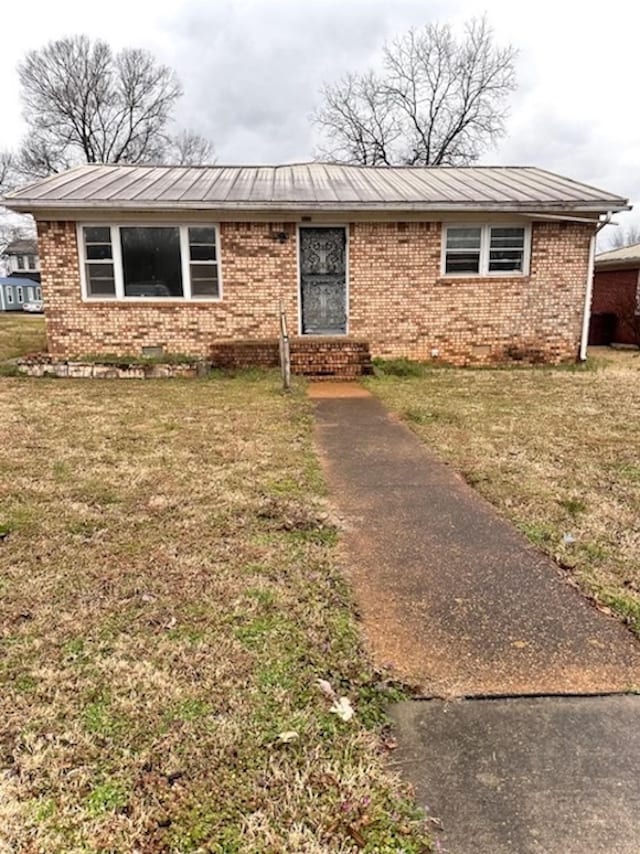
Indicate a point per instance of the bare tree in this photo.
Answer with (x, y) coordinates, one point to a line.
(628, 235)
(83, 103)
(7, 171)
(438, 101)
(188, 148)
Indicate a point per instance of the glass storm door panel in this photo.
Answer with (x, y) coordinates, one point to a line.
(323, 280)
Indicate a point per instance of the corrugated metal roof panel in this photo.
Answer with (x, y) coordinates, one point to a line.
(327, 186)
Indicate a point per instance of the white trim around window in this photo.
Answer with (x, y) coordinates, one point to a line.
(116, 266)
(482, 248)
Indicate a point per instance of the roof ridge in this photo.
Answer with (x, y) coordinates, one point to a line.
(288, 165)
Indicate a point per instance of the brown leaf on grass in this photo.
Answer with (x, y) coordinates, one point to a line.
(357, 837)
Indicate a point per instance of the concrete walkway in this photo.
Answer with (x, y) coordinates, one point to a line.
(451, 596)
(461, 606)
(544, 775)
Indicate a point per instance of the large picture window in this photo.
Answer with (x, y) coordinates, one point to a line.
(150, 261)
(486, 250)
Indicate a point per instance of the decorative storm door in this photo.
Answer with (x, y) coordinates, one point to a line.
(323, 280)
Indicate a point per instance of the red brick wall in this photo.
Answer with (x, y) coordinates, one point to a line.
(257, 272)
(403, 306)
(615, 292)
(398, 300)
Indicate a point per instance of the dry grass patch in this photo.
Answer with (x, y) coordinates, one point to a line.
(170, 594)
(555, 450)
(20, 333)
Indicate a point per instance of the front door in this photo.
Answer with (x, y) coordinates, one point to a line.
(323, 280)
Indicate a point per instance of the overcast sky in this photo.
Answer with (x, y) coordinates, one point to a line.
(252, 70)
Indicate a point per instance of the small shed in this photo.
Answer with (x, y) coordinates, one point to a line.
(15, 291)
(615, 308)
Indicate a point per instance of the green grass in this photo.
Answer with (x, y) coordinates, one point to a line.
(554, 449)
(20, 333)
(170, 594)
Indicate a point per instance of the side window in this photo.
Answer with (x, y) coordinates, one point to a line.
(19, 294)
(506, 250)
(38, 293)
(463, 250)
(9, 294)
(98, 258)
(20, 262)
(203, 265)
(486, 250)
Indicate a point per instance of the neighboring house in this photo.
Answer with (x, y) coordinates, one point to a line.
(14, 292)
(615, 309)
(22, 259)
(464, 265)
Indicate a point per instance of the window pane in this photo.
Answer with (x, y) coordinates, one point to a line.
(204, 280)
(20, 262)
(100, 281)
(202, 235)
(506, 253)
(9, 293)
(38, 293)
(101, 234)
(151, 262)
(96, 251)
(201, 252)
(463, 262)
(463, 238)
(505, 260)
(32, 262)
(506, 238)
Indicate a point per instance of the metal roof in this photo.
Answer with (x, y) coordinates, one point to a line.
(312, 186)
(626, 256)
(17, 280)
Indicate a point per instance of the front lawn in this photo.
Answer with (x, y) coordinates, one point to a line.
(170, 595)
(556, 450)
(20, 333)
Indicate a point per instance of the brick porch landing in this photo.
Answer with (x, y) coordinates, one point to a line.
(339, 358)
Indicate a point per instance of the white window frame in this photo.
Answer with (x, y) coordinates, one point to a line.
(485, 245)
(30, 294)
(19, 293)
(39, 293)
(118, 272)
(9, 294)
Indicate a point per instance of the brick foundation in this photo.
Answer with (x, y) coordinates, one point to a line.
(398, 301)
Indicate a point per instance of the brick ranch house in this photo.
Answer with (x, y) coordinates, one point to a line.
(464, 265)
(615, 310)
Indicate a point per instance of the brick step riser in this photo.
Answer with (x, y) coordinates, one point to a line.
(315, 360)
